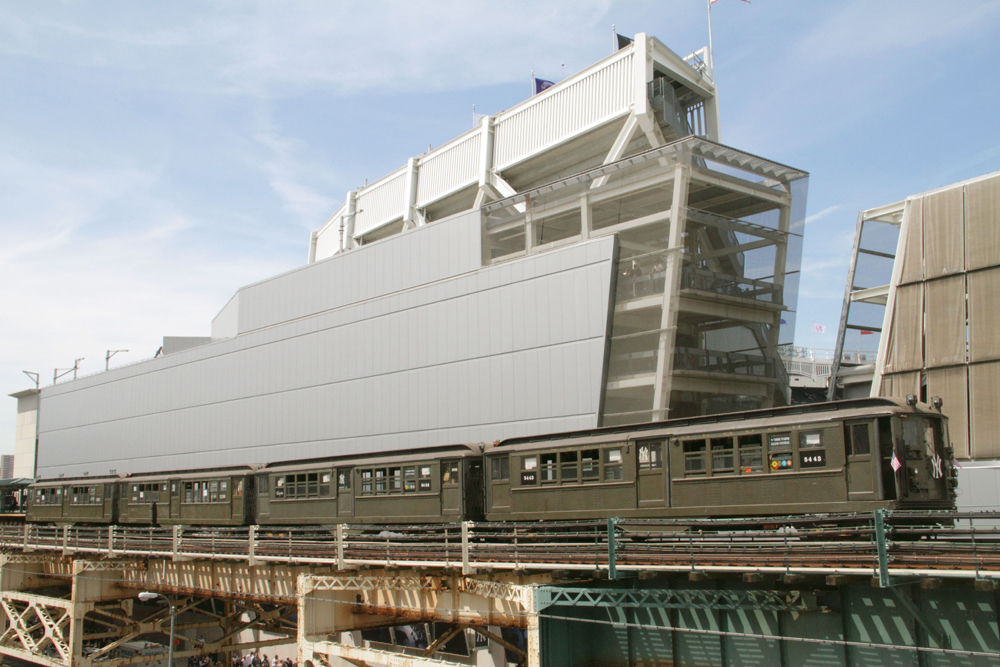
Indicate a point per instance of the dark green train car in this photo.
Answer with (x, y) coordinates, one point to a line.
(427, 486)
(829, 457)
(220, 497)
(82, 500)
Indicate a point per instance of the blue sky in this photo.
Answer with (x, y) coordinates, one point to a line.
(156, 156)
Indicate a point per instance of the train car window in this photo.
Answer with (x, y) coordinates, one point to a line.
(529, 472)
(779, 457)
(147, 493)
(409, 479)
(751, 453)
(312, 484)
(188, 493)
(811, 451)
(722, 455)
(449, 473)
(860, 444)
(694, 457)
(590, 462)
(886, 448)
(48, 496)
(780, 442)
(499, 468)
(613, 464)
(650, 456)
(780, 461)
(815, 440)
(569, 469)
(85, 495)
(238, 493)
(366, 482)
(548, 468)
(425, 478)
(344, 480)
(324, 483)
(380, 480)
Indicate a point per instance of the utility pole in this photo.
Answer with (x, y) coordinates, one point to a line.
(107, 357)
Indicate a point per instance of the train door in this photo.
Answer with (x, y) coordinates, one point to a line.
(473, 489)
(862, 461)
(116, 490)
(109, 502)
(499, 497)
(345, 495)
(263, 497)
(65, 508)
(245, 490)
(651, 478)
(451, 489)
(175, 498)
(887, 478)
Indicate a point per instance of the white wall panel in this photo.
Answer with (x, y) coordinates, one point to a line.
(366, 273)
(479, 355)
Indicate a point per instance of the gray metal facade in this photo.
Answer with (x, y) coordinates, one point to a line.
(435, 351)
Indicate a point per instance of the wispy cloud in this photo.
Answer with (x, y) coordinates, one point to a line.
(287, 173)
(345, 48)
(815, 217)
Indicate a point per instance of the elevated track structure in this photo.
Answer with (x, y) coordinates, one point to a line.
(68, 593)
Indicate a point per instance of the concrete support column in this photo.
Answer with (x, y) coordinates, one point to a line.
(349, 215)
(780, 255)
(410, 217)
(671, 289)
(529, 227)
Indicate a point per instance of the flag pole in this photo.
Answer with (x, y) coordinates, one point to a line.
(532, 83)
(711, 53)
(614, 39)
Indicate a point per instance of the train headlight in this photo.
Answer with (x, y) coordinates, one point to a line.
(911, 399)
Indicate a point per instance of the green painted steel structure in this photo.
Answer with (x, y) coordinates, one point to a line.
(732, 624)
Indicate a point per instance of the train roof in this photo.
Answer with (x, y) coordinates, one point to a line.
(189, 474)
(374, 458)
(814, 412)
(62, 481)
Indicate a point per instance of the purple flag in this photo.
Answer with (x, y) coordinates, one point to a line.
(542, 84)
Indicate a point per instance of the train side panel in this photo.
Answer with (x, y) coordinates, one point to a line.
(196, 499)
(851, 457)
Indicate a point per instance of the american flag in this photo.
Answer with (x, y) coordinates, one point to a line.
(896, 465)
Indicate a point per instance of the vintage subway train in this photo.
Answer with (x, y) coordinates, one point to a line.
(845, 456)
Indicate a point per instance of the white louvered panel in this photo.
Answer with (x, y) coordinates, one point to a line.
(449, 168)
(380, 203)
(561, 112)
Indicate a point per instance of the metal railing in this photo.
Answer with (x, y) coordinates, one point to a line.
(380, 203)
(882, 544)
(451, 167)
